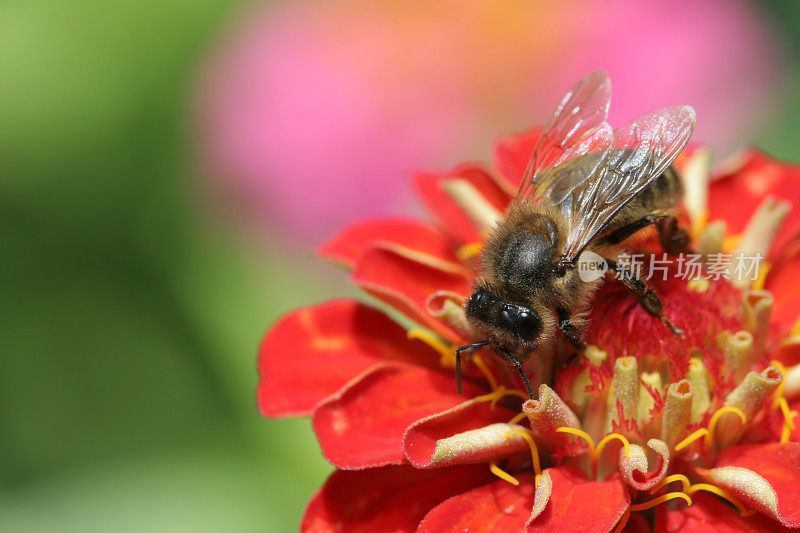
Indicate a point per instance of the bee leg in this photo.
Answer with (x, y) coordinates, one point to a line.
(510, 358)
(569, 330)
(673, 239)
(621, 234)
(467, 348)
(647, 298)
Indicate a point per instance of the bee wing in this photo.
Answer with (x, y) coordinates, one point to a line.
(641, 151)
(577, 126)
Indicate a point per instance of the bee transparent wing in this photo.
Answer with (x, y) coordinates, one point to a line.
(578, 126)
(641, 151)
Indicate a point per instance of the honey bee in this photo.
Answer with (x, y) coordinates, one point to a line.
(587, 188)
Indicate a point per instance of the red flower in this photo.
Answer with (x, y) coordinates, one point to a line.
(697, 432)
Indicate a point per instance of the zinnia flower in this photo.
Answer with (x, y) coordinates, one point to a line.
(643, 430)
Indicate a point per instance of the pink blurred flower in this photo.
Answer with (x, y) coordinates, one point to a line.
(304, 101)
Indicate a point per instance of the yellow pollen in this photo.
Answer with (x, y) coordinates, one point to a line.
(763, 270)
(502, 474)
(594, 451)
(447, 353)
(537, 467)
(699, 285)
(468, 251)
(647, 505)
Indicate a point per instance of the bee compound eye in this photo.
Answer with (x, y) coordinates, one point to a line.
(529, 324)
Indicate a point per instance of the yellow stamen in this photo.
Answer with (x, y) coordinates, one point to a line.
(468, 251)
(712, 424)
(594, 451)
(688, 488)
(608, 438)
(537, 468)
(580, 433)
(502, 474)
(702, 432)
(485, 370)
(499, 393)
(781, 403)
(698, 225)
(779, 391)
(660, 500)
(743, 511)
(517, 418)
(671, 479)
(763, 270)
(730, 242)
(447, 353)
(647, 505)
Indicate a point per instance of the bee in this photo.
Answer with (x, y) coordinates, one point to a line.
(587, 188)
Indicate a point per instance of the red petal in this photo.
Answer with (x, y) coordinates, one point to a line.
(406, 284)
(734, 196)
(764, 477)
(435, 441)
(411, 235)
(782, 283)
(513, 153)
(391, 498)
(637, 523)
(498, 506)
(363, 424)
(450, 216)
(578, 504)
(312, 352)
(709, 514)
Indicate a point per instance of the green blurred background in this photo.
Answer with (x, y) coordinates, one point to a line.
(131, 317)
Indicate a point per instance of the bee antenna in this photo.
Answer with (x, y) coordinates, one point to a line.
(465, 348)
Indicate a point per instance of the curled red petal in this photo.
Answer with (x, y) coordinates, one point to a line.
(580, 504)
(782, 283)
(450, 216)
(363, 424)
(411, 235)
(406, 284)
(735, 195)
(513, 153)
(498, 506)
(470, 433)
(311, 352)
(764, 477)
(390, 498)
(709, 514)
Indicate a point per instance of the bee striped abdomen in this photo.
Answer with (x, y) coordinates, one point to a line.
(661, 194)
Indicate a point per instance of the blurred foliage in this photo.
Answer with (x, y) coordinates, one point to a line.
(131, 319)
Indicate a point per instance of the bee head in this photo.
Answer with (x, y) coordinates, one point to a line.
(503, 320)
